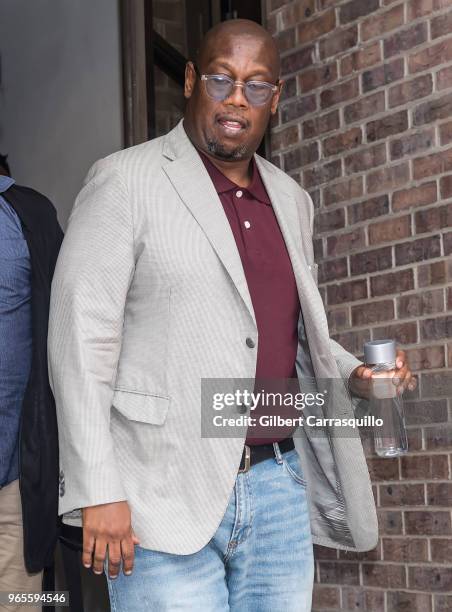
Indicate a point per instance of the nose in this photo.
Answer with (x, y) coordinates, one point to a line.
(237, 95)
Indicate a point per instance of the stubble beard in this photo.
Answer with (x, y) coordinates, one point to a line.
(217, 149)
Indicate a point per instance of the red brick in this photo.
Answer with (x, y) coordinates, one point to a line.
(365, 159)
(345, 243)
(403, 550)
(402, 495)
(345, 190)
(338, 42)
(332, 269)
(414, 196)
(394, 282)
(382, 469)
(315, 28)
(432, 274)
(405, 39)
(419, 8)
(289, 89)
(440, 436)
(317, 77)
(442, 603)
(444, 78)
(284, 138)
(402, 333)
(364, 107)
(293, 13)
(420, 522)
(353, 341)
(441, 550)
(339, 93)
(432, 110)
(368, 209)
(360, 59)
(321, 124)
(322, 174)
(412, 143)
(434, 218)
(379, 24)
(409, 602)
(423, 467)
(439, 494)
(301, 156)
(346, 292)
(437, 163)
(297, 61)
(410, 90)
(390, 230)
(326, 597)
(437, 384)
(298, 108)
(447, 242)
(417, 250)
(357, 8)
(445, 133)
(342, 142)
(445, 185)
(387, 126)
(382, 75)
(388, 178)
(373, 312)
(425, 412)
(371, 261)
(339, 572)
(328, 221)
(338, 319)
(431, 56)
(285, 40)
(430, 578)
(436, 328)
(441, 25)
(426, 358)
(367, 600)
(388, 576)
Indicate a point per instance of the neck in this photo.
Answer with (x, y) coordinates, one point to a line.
(237, 171)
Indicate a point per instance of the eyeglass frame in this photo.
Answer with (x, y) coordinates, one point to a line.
(205, 77)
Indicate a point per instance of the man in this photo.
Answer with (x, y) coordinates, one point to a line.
(30, 237)
(189, 259)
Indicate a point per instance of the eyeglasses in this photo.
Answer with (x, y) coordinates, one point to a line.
(220, 86)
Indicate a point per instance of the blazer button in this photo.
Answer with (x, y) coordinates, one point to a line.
(250, 342)
(241, 408)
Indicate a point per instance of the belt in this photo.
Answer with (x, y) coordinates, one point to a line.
(254, 454)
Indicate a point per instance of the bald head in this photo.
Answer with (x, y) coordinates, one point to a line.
(227, 34)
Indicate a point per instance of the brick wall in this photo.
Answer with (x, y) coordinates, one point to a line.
(169, 22)
(365, 125)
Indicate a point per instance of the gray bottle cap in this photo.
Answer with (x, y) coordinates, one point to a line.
(379, 351)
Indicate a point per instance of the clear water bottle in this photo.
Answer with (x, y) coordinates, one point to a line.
(389, 431)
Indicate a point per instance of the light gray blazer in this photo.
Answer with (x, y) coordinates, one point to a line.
(149, 297)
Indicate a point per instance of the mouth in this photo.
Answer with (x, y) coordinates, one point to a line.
(232, 125)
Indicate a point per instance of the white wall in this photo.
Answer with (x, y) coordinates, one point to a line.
(60, 92)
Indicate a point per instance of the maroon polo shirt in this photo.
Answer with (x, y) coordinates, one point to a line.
(272, 287)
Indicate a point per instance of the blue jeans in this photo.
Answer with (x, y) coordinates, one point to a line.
(260, 558)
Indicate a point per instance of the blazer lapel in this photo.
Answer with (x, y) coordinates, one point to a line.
(195, 188)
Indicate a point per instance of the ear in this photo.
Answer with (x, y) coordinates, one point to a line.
(190, 79)
(276, 97)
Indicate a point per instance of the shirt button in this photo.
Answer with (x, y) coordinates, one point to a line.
(250, 342)
(247, 224)
(239, 193)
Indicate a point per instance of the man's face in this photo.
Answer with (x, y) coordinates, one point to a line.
(231, 129)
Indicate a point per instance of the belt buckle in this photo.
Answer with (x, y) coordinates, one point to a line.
(247, 460)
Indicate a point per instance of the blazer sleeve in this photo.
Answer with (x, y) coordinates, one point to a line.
(346, 361)
(89, 288)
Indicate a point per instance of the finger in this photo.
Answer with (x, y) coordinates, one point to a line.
(128, 555)
(99, 555)
(88, 548)
(114, 558)
(400, 358)
(413, 383)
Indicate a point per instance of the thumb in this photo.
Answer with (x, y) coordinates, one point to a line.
(135, 539)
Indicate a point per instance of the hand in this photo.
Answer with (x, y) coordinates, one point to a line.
(359, 381)
(108, 526)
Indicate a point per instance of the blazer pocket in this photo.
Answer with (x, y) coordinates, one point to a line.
(142, 407)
